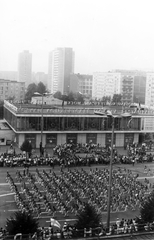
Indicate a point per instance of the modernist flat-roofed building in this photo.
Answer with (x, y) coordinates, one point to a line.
(106, 84)
(12, 90)
(61, 65)
(25, 67)
(6, 134)
(79, 125)
(81, 83)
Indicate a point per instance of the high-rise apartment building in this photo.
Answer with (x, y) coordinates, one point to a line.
(61, 65)
(149, 95)
(81, 83)
(25, 67)
(133, 84)
(127, 83)
(105, 84)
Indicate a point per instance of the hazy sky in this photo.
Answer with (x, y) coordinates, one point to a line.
(105, 34)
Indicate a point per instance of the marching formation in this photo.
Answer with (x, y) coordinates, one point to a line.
(66, 193)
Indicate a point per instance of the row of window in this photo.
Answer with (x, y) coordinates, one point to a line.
(91, 138)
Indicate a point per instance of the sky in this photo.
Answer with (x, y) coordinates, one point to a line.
(104, 34)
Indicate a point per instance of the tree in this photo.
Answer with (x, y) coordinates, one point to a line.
(88, 218)
(32, 88)
(71, 97)
(26, 147)
(58, 95)
(116, 98)
(30, 91)
(41, 88)
(147, 210)
(106, 99)
(64, 98)
(79, 97)
(21, 222)
(11, 98)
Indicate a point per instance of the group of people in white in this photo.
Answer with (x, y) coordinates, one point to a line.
(66, 193)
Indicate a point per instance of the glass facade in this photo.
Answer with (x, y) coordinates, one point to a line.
(60, 123)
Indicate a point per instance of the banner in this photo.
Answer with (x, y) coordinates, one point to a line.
(55, 223)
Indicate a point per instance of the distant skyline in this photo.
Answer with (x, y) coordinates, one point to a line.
(104, 34)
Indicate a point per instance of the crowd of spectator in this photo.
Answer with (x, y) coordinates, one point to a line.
(72, 155)
(94, 154)
(65, 155)
(139, 154)
(121, 226)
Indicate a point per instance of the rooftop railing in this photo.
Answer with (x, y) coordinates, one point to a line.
(73, 111)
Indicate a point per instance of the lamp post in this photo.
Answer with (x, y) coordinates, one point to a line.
(42, 95)
(110, 177)
(108, 113)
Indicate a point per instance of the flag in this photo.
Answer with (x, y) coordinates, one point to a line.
(55, 223)
(129, 123)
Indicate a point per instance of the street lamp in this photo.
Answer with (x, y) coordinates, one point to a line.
(108, 113)
(42, 95)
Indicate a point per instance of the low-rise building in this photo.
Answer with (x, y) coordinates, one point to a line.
(12, 90)
(81, 83)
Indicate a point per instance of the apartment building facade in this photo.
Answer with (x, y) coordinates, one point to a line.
(12, 90)
(149, 95)
(81, 83)
(61, 65)
(105, 84)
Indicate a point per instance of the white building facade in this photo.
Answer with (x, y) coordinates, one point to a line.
(61, 65)
(149, 94)
(106, 84)
(81, 83)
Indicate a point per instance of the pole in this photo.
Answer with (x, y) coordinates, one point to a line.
(110, 177)
(41, 127)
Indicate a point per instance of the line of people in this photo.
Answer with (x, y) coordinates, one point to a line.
(71, 155)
